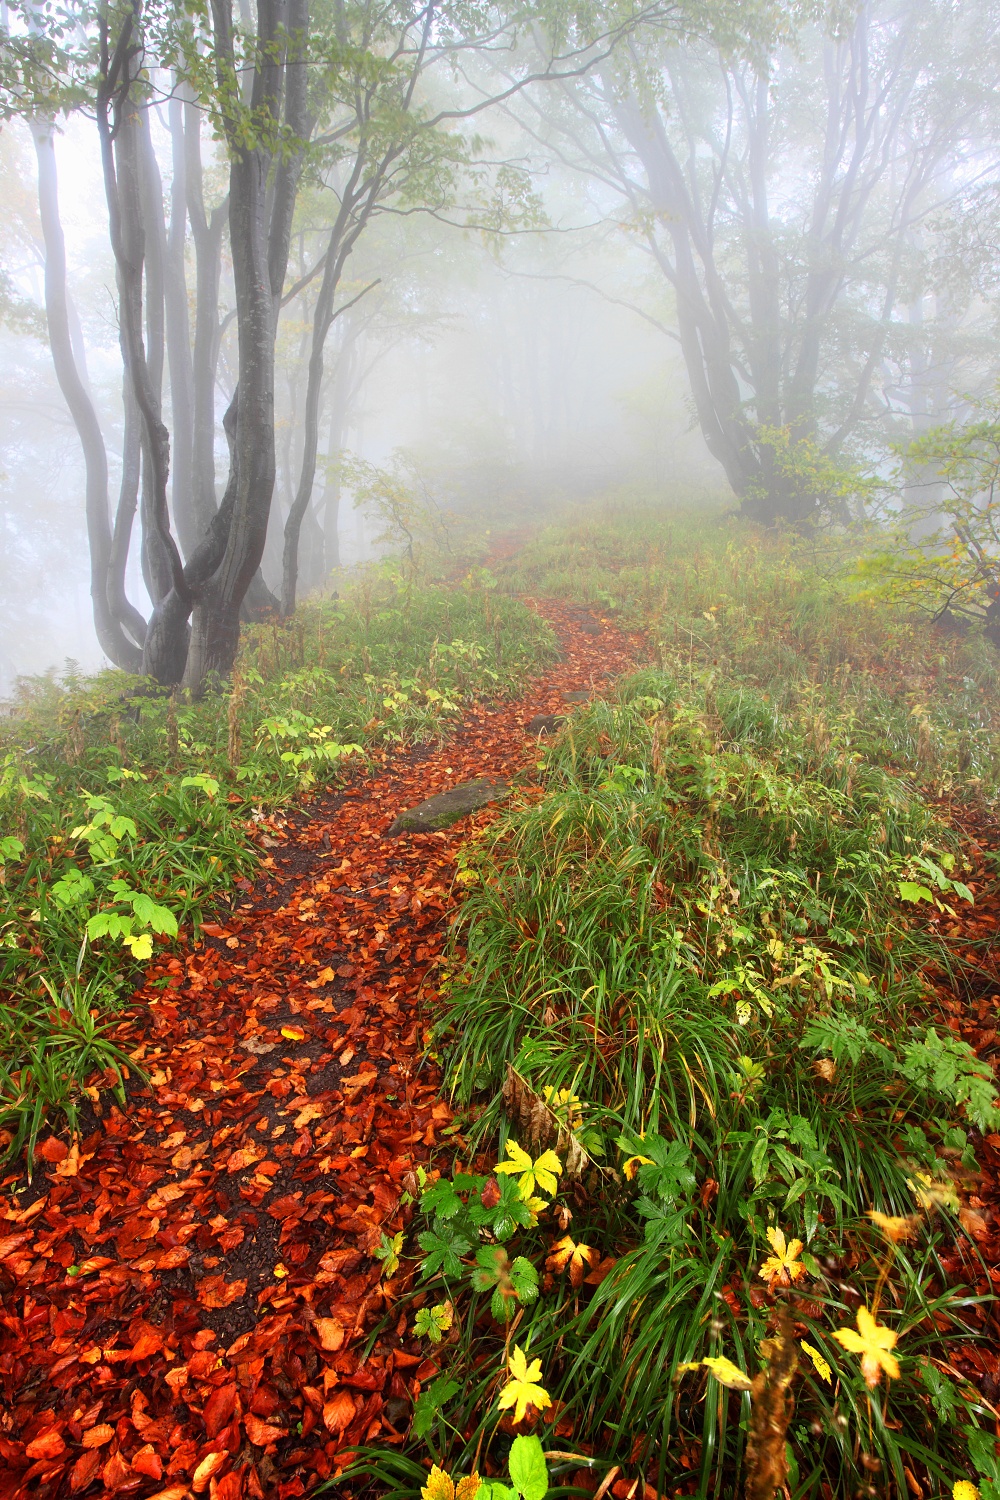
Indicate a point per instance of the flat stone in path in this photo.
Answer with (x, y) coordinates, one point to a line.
(447, 807)
(543, 724)
(576, 697)
(585, 621)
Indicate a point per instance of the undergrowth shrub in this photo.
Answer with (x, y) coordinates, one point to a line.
(688, 983)
(703, 939)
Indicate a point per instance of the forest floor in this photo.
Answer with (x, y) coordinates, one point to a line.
(188, 1293)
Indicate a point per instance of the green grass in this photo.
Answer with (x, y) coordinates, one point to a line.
(791, 621)
(125, 814)
(692, 963)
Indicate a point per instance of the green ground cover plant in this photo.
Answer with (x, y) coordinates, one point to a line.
(125, 813)
(689, 1024)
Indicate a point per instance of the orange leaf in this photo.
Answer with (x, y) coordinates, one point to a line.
(293, 1033)
(261, 1433)
(48, 1444)
(96, 1437)
(216, 1291)
(210, 1464)
(218, 1409)
(83, 1470)
(115, 1472)
(149, 1342)
(339, 1412)
(245, 1157)
(331, 1333)
(147, 1461)
(52, 1150)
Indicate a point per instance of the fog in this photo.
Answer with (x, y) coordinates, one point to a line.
(541, 258)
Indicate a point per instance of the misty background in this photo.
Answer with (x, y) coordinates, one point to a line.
(633, 281)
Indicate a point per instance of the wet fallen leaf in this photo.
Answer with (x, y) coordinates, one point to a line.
(48, 1444)
(261, 1433)
(331, 1333)
(338, 1413)
(216, 1291)
(96, 1437)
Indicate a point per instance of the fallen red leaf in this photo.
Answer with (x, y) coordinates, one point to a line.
(147, 1461)
(218, 1409)
(84, 1470)
(261, 1433)
(216, 1291)
(48, 1444)
(338, 1413)
(96, 1437)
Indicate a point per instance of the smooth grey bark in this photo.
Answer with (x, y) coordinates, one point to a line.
(178, 333)
(260, 236)
(206, 231)
(128, 497)
(145, 238)
(113, 640)
(119, 125)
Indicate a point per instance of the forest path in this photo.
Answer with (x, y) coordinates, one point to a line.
(186, 1295)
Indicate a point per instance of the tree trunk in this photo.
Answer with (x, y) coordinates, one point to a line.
(206, 231)
(260, 235)
(128, 497)
(111, 637)
(120, 122)
(179, 340)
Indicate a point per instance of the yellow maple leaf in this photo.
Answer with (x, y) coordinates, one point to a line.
(784, 1265)
(468, 1488)
(569, 1252)
(726, 1373)
(931, 1194)
(873, 1342)
(523, 1388)
(894, 1228)
(438, 1486)
(565, 1104)
(632, 1165)
(541, 1172)
(819, 1363)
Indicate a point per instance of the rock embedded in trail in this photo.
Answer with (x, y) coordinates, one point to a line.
(583, 697)
(447, 807)
(544, 724)
(585, 621)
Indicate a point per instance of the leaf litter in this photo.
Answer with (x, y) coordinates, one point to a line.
(188, 1290)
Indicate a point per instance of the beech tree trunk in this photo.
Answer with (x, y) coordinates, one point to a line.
(112, 638)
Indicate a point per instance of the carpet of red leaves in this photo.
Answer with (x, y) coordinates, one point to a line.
(186, 1293)
(970, 1006)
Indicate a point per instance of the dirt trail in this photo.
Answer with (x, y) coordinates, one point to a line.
(185, 1296)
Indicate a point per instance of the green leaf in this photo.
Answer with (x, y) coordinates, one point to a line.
(910, 891)
(509, 1213)
(670, 1177)
(948, 1067)
(430, 1402)
(443, 1249)
(441, 1199)
(528, 1471)
(524, 1279)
